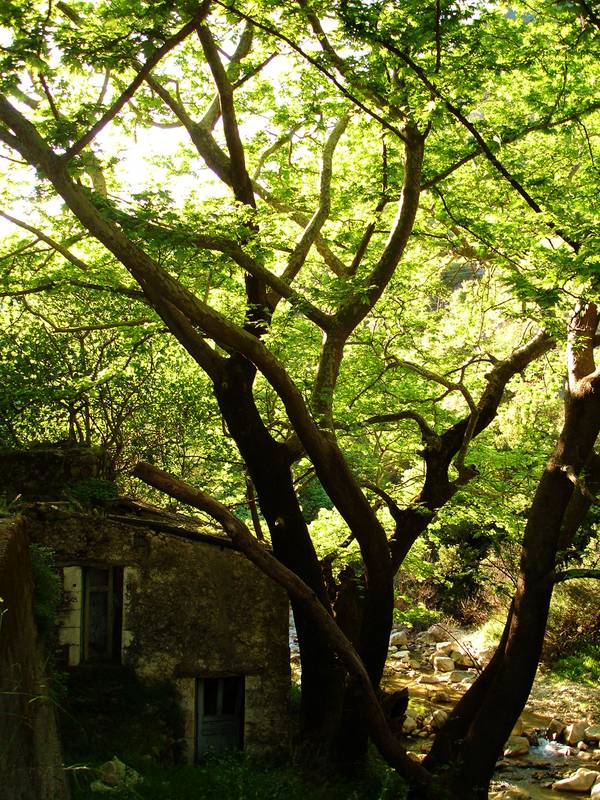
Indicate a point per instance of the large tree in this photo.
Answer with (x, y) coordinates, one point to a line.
(278, 184)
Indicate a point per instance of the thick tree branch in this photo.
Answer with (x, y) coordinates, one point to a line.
(51, 286)
(576, 574)
(164, 291)
(273, 148)
(438, 489)
(427, 432)
(393, 507)
(580, 346)
(317, 63)
(335, 264)
(242, 185)
(355, 309)
(244, 46)
(430, 375)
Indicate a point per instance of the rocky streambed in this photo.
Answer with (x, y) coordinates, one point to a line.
(554, 749)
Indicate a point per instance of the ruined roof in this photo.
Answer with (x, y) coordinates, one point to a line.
(135, 512)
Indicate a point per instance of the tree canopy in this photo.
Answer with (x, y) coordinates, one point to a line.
(372, 227)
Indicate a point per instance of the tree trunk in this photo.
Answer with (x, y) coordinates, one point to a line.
(466, 750)
(268, 463)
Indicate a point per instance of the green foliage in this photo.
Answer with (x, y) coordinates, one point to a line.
(583, 666)
(572, 642)
(238, 777)
(504, 241)
(46, 608)
(313, 498)
(47, 591)
(109, 711)
(418, 616)
(92, 491)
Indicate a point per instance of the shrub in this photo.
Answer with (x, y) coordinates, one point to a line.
(574, 621)
(581, 667)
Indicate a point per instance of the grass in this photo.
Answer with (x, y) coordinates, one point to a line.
(583, 666)
(238, 777)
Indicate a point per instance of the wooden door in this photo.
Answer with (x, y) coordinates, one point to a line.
(220, 715)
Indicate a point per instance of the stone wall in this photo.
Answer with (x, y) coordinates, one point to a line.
(30, 756)
(191, 608)
(42, 473)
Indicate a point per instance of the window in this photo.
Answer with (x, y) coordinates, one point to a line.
(102, 613)
(220, 715)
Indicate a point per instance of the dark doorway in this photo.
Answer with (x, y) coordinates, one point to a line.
(220, 715)
(102, 613)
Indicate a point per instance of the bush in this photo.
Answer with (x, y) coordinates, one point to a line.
(91, 492)
(108, 711)
(581, 667)
(573, 623)
(418, 617)
(47, 590)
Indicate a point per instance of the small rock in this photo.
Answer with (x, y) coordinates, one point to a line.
(584, 756)
(516, 746)
(485, 656)
(437, 634)
(113, 775)
(441, 697)
(582, 746)
(458, 675)
(443, 664)
(444, 648)
(554, 729)
(596, 790)
(409, 725)
(98, 786)
(512, 793)
(581, 780)
(575, 732)
(592, 734)
(439, 719)
(432, 679)
(399, 639)
(112, 772)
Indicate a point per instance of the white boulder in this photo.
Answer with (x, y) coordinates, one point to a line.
(516, 746)
(443, 664)
(581, 780)
(399, 639)
(437, 634)
(575, 732)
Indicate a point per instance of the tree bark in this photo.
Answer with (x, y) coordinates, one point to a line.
(268, 465)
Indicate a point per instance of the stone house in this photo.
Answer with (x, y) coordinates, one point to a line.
(155, 592)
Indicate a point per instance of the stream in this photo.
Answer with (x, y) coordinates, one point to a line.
(546, 762)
